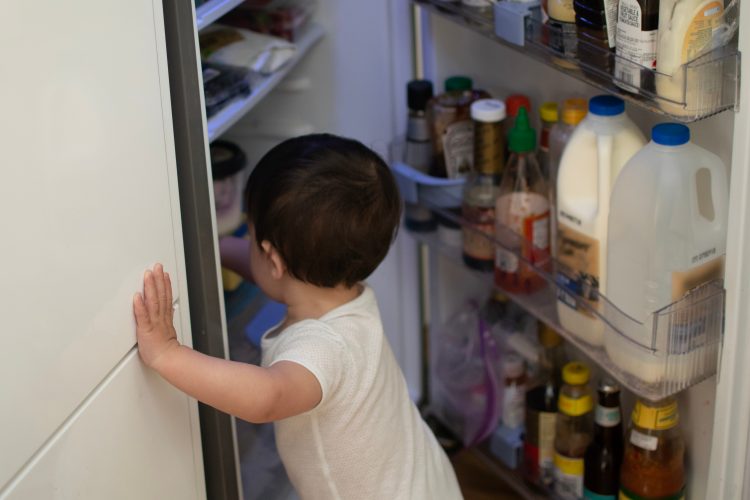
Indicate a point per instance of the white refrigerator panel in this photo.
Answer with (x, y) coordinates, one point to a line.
(95, 454)
(88, 200)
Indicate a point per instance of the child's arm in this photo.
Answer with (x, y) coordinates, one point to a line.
(246, 391)
(234, 254)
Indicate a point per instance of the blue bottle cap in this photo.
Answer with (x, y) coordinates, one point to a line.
(670, 134)
(606, 105)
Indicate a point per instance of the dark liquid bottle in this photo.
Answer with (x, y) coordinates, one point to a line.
(601, 478)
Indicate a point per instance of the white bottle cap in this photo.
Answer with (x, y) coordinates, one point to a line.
(513, 366)
(488, 110)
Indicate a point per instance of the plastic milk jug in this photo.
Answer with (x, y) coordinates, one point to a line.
(598, 149)
(667, 235)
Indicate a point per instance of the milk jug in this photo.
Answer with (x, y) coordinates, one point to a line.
(667, 235)
(599, 147)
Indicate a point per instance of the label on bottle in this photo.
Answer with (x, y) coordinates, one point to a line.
(691, 326)
(699, 35)
(479, 220)
(656, 418)
(610, 16)
(527, 215)
(513, 406)
(578, 269)
(627, 495)
(635, 43)
(607, 417)
(568, 477)
(547, 423)
(590, 495)
(574, 406)
(643, 441)
(562, 37)
(458, 148)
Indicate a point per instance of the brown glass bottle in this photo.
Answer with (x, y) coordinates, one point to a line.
(604, 454)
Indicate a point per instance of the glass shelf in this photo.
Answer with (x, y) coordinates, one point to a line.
(698, 89)
(677, 347)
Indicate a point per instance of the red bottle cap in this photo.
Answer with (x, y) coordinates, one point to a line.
(514, 102)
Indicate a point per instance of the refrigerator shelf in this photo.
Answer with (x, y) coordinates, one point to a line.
(677, 347)
(209, 12)
(698, 89)
(262, 85)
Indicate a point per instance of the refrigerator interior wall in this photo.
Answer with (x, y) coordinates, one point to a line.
(353, 83)
(451, 49)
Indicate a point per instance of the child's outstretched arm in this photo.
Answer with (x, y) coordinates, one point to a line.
(246, 391)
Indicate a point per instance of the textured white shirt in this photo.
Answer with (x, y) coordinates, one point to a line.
(365, 439)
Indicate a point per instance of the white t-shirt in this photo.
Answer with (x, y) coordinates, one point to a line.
(365, 440)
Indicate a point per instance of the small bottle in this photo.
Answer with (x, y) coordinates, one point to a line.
(548, 116)
(561, 29)
(654, 462)
(541, 409)
(601, 478)
(513, 103)
(482, 187)
(514, 388)
(636, 42)
(573, 111)
(573, 432)
(522, 214)
(418, 151)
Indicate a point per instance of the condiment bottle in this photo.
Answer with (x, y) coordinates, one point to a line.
(604, 454)
(513, 103)
(654, 462)
(561, 28)
(418, 151)
(541, 409)
(573, 431)
(522, 214)
(514, 387)
(548, 116)
(637, 28)
(482, 187)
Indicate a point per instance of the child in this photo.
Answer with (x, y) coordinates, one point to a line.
(323, 212)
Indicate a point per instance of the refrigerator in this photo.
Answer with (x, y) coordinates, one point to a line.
(107, 170)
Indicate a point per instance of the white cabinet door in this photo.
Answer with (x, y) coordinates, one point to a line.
(121, 444)
(88, 200)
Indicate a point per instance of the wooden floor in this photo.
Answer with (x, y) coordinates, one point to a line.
(477, 482)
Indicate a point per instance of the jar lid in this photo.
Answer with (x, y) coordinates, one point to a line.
(488, 110)
(576, 373)
(515, 102)
(418, 92)
(608, 386)
(458, 82)
(670, 134)
(574, 110)
(606, 105)
(226, 159)
(548, 337)
(513, 366)
(548, 112)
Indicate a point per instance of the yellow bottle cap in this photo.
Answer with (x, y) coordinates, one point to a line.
(547, 336)
(574, 110)
(575, 373)
(548, 112)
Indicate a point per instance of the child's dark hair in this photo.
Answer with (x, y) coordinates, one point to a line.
(329, 205)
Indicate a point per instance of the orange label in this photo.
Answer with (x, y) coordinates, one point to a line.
(698, 37)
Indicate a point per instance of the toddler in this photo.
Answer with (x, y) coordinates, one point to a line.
(322, 214)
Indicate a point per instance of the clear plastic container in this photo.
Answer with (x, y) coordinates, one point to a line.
(598, 149)
(662, 247)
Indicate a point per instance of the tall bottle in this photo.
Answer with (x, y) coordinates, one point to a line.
(548, 116)
(522, 214)
(573, 432)
(541, 409)
(654, 463)
(636, 42)
(482, 188)
(604, 455)
(596, 152)
(418, 151)
(573, 111)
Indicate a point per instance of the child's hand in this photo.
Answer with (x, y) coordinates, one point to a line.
(154, 317)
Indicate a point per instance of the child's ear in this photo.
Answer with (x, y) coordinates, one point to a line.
(278, 268)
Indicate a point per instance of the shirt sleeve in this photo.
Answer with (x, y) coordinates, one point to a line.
(313, 345)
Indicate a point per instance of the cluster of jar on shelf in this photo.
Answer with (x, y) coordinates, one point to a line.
(583, 208)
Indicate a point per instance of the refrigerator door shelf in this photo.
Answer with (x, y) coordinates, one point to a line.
(209, 12)
(419, 188)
